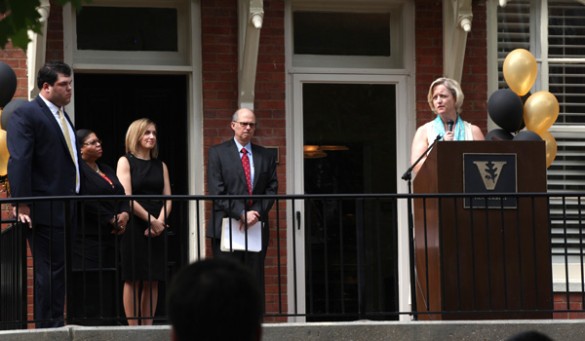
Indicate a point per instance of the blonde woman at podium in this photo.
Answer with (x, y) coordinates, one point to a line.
(445, 99)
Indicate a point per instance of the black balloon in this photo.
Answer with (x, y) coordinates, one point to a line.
(522, 125)
(498, 135)
(9, 109)
(505, 109)
(524, 98)
(7, 83)
(527, 135)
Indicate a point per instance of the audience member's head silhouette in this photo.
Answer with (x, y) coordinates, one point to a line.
(530, 335)
(214, 299)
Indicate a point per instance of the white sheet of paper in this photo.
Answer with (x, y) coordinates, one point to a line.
(238, 238)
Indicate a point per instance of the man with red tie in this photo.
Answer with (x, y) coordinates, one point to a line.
(239, 167)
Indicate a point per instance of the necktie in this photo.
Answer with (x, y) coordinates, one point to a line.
(247, 172)
(65, 129)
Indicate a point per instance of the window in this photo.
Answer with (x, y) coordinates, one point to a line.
(368, 33)
(558, 43)
(131, 32)
(338, 33)
(127, 29)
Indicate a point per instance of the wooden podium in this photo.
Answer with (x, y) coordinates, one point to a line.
(487, 257)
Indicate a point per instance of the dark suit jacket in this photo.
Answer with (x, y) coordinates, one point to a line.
(225, 176)
(40, 163)
(94, 246)
(95, 216)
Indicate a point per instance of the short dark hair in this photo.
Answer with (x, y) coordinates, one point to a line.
(49, 73)
(81, 135)
(215, 299)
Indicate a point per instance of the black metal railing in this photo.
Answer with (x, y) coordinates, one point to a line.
(336, 258)
(13, 277)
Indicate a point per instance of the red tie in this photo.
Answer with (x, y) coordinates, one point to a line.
(246, 165)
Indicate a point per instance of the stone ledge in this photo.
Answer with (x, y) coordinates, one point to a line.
(356, 331)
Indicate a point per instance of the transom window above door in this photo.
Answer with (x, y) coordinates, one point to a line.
(127, 29)
(124, 32)
(343, 34)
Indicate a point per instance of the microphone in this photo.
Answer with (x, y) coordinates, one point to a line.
(450, 125)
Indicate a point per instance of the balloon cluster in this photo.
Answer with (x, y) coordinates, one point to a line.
(8, 105)
(520, 114)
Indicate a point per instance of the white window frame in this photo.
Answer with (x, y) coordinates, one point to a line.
(131, 59)
(399, 60)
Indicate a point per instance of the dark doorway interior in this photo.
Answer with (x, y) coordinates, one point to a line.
(350, 147)
(108, 103)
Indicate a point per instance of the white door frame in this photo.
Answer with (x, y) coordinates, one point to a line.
(405, 123)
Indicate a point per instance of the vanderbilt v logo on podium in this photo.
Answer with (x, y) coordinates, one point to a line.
(490, 173)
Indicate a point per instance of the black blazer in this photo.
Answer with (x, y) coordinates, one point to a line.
(40, 163)
(95, 215)
(225, 176)
(94, 245)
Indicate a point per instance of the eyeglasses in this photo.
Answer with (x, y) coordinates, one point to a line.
(93, 143)
(247, 124)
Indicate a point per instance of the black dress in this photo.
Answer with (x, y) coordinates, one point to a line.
(93, 297)
(143, 257)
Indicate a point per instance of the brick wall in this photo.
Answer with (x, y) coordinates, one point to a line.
(474, 80)
(55, 33)
(270, 108)
(569, 305)
(16, 59)
(429, 61)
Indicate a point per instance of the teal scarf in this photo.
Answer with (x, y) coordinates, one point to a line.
(458, 128)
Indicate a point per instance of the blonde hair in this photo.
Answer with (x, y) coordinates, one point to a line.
(135, 132)
(453, 87)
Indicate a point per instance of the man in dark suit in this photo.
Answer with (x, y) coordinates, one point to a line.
(226, 176)
(44, 162)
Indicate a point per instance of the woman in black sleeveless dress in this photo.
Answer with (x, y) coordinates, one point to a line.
(143, 244)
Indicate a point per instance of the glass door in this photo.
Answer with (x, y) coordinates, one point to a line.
(349, 147)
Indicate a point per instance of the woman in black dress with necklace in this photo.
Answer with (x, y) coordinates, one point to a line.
(95, 245)
(143, 257)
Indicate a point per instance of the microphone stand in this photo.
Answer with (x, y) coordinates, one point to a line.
(407, 176)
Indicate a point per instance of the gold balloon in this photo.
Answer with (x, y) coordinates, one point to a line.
(3, 154)
(551, 146)
(541, 111)
(520, 71)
